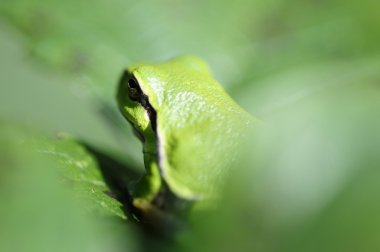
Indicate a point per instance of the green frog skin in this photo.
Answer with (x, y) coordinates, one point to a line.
(189, 126)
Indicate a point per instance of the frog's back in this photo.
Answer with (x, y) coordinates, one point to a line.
(199, 128)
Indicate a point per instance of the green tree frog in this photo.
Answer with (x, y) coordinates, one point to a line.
(189, 126)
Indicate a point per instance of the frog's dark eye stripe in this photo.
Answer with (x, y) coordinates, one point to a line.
(134, 90)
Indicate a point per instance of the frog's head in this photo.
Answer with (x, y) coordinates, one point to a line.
(135, 106)
(143, 89)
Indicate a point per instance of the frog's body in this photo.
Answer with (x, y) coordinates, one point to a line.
(189, 126)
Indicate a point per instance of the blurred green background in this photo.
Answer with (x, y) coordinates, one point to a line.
(310, 70)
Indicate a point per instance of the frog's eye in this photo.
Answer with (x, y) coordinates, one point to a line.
(134, 90)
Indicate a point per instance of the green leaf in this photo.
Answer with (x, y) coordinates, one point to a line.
(52, 197)
(77, 169)
(80, 171)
